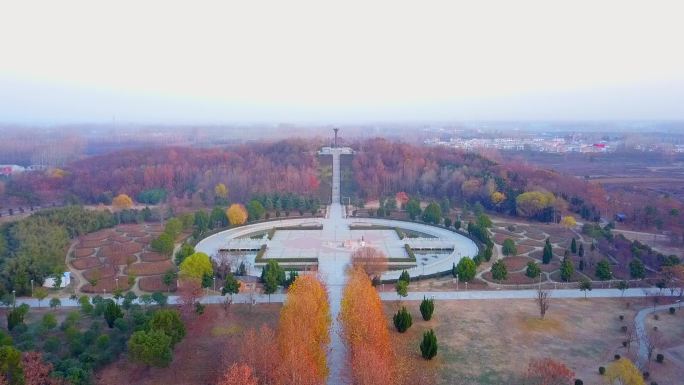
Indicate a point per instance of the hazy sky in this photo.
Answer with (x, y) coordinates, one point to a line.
(200, 61)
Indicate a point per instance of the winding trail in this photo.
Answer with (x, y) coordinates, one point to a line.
(642, 336)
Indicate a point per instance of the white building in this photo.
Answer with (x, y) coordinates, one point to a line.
(50, 281)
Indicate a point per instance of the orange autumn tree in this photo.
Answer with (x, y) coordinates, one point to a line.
(304, 333)
(371, 357)
(259, 350)
(546, 371)
(296, 354)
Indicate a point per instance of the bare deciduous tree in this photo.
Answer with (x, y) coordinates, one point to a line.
(371, 260)
(543, 301)
(653, 341)
(630, 334)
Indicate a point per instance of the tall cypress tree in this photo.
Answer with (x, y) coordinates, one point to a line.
(573, 246)
(566, 269)
(548, 252)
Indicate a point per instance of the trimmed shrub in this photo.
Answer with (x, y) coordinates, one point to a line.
(602, 370)
(402, 320)
(428, 347)
(660, 358)
(622, 317)
(617, 357)
(579, 382)
(427, 307)
(672, 310)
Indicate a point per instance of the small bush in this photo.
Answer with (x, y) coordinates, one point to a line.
(660, 358)
(402, 320)
(624, 329)
(622, 317)
(579, 382)
(428, 347)
(624, 344)
(654, 383)
(617, 357)
(646, 375)
(656, 317)
(602, 370)
(427, 307)
(672, 310)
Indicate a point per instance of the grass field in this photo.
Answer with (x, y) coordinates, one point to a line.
(491, 342)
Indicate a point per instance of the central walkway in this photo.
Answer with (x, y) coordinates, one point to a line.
(335, 228)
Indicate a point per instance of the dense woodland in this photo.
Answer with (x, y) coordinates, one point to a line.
(35, 248)
(379, 169)
(288, 166)
(382, 168)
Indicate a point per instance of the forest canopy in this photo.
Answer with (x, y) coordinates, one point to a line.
(152, 174)
(34, 248)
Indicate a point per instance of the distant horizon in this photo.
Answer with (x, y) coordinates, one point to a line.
(467, 124)
(304, 62)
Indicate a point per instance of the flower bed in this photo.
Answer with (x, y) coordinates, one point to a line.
(149, 268)
(86, 263)
(82, 252)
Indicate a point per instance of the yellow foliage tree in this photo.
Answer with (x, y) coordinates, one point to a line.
(196, 266)
(221, 190)
(372, 357)
(304, 332)
(568, 221)
(623, 372)
(498, 197)
(58, 173)
(237, 214)
(122, 201)
(532, 203)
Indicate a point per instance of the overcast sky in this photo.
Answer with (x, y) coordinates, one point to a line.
(161, 61)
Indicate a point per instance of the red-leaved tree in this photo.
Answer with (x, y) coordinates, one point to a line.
(239, 374)
(546, 371)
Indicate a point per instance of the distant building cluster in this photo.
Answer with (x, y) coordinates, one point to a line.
(9, 169)
(13, 169)
(555, 145)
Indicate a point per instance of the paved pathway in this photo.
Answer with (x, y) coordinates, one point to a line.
(412, 296)
(641, 334)
(331, 270)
